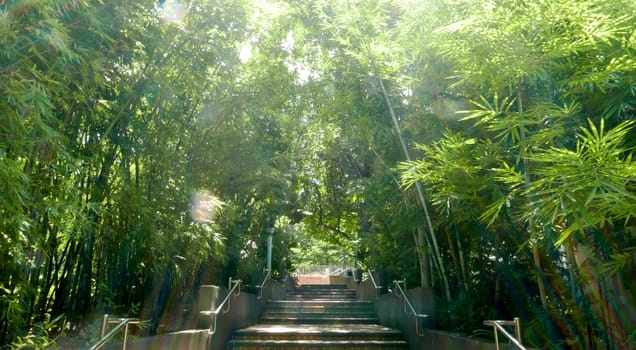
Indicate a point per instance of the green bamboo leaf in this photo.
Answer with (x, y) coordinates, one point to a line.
(492, 212)
(565, 234)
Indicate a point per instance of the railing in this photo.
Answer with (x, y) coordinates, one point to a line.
(407, 302)
(353, 270)
(321, 270)
(337, 272)
(234, 288)
(375, 285)
(262, 285)
(121, 323)
(497, 325)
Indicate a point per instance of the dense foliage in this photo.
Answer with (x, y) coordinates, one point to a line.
(480, 148)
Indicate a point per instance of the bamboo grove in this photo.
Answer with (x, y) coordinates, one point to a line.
(480, 148)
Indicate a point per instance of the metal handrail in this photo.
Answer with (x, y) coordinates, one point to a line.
(407, 302)
(234, 289)
(498, 325)
(353, 275)
(375, 285)
(315, 270)
(336, 272)
(260, 287)
(121, 323)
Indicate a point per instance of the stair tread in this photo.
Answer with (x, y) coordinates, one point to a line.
(319, 317)
(334, 286)
(320, 313)
(313, 341)
(335, 302)
(318, 329)
(321, 307)
(311, 316)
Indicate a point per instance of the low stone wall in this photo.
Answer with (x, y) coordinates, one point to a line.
(313, 280)
(245, 309)
(390, 311)
(320, 280)
(434, 339)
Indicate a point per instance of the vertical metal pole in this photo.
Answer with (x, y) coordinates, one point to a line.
(517, 329)
(496, 336)
(269, 252)
(125, 335)
(102, 332)
(355, 256)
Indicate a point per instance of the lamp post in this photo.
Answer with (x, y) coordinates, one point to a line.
(355, 253)
(270, 231)
(357, 271)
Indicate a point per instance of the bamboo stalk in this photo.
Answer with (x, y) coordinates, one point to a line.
(421, 198)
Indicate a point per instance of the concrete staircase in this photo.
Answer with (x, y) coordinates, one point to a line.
(318, 317)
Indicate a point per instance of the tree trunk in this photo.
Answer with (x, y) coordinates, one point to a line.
(497, 271)
(420, 193)
(98, 194)
(526, 176)
(162, 299)
(454, 255)
(422, 258)
(64, 268)
(462, 262)
(536, 256)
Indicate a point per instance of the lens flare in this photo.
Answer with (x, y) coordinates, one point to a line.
(172, 11)
(204, 206)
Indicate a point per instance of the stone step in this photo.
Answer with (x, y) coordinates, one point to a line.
(321, 286)
(372, 332)
(328, 296)
(317, 344)
(323, 295)
(319, 298)
(312, 319)
(314, 309)
(321, 303)
(318, 317)
(325, 288)
(286, 315)
(325, 292)
(322, 289)
(319, 309)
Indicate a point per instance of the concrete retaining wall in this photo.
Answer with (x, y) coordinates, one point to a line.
(245, 309)
(390, 312)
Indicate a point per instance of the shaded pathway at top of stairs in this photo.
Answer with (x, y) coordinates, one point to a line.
(318, 317)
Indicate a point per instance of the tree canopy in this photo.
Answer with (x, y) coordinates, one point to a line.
(483, 149)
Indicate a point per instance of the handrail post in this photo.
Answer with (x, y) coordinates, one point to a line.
(230, 291)
(494, 329)
(102, 331)
(233, 290)
(375, 285)
(407, 302)
(517, 329)
(497, 326)
(121, 323)
(268, 276)
(125, 336)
